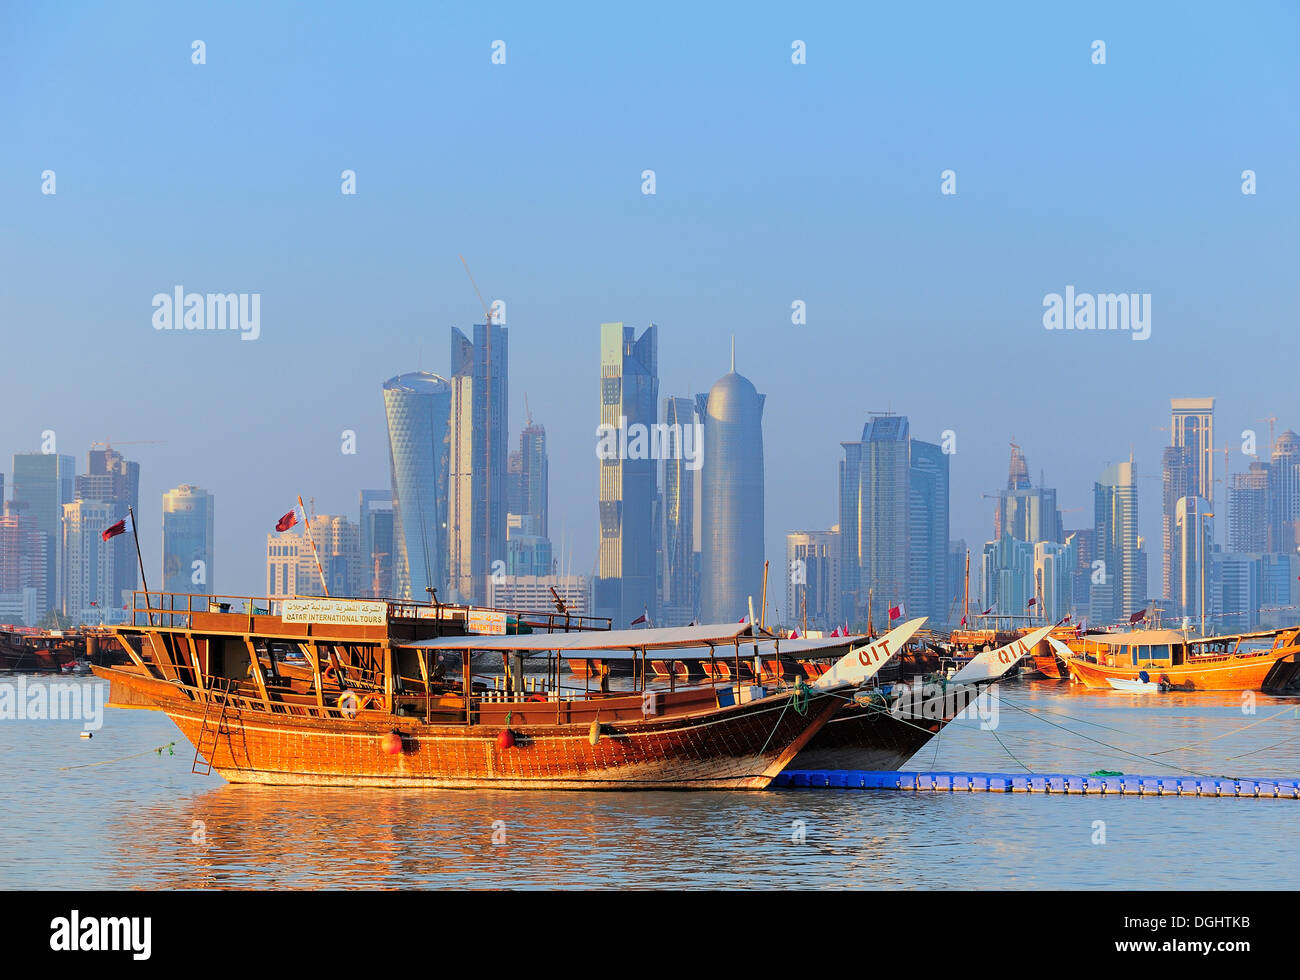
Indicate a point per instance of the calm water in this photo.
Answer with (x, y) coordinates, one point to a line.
(131, 823)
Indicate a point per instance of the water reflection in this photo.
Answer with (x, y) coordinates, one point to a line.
(132, 822)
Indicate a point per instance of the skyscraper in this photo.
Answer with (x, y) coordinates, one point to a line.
(42, 484)
(115, 481)
(875, 518)
(534, 477)
(680, 573)
(1054, 569)
(1193, 426)
(24, 556)
(1007, 576)
(338, 548)
(418, 405)
(731, 499)
(291, 563)
(88, 585)
(286, 556)
(927, 572)
(1248, 510)
(1193, 540)
(1121, 591)
(476, 486)
(1025, 512)
(812, 579)
(629, 393)
(1284, 494)
(1178, 479)
(376, 521)
(187, 540)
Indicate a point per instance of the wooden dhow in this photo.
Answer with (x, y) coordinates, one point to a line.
(385, 695)
(1173, 661)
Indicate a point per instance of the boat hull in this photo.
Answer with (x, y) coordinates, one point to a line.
(1049, 666)
(741, 747)
(861, 738)
(1233, 672)
(878, 736)
(1133, 686)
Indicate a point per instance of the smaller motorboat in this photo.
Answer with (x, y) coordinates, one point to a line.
(1142, 684)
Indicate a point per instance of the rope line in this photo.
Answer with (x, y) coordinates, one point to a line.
(170, 747)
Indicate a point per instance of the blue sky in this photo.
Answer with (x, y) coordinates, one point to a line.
(775, 183)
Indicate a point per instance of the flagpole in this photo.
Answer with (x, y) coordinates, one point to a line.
(139, 558)
(312, 541)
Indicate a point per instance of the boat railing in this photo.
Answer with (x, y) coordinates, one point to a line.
(176, 610)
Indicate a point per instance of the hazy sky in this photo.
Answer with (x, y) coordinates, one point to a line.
(775, 183)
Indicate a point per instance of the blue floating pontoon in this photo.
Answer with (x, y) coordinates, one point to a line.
(1002, 782)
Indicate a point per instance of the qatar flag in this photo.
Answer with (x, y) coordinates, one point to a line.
(287, 521)
(794, 635)
(895, 612)
(963, 621)
(113, 530)
(643, 618)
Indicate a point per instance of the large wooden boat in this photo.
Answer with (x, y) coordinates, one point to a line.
(1239, 662)
(383, 707)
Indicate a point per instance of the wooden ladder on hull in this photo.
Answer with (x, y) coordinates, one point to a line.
(203, 751)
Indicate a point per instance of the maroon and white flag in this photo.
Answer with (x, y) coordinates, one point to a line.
(287, 521)
(113, 530)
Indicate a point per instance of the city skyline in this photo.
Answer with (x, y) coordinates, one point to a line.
(1265, 488)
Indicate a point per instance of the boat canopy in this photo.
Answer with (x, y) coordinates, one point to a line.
(670, 643)
(594, 640)
(1139, 638)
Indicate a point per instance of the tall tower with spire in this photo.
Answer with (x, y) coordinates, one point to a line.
(731, 498)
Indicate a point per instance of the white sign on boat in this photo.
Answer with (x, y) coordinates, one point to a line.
(335, 612)
(485, 623)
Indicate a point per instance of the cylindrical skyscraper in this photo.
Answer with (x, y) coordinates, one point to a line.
(418, 406)
(731, 500)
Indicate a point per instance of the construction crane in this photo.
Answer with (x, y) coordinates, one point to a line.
(1271, 420)
(108, 443)
(487, 438)
(1224, 479)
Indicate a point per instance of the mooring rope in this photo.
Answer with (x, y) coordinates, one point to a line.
(1113, 748)
(170, 747)
(1180, 748)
